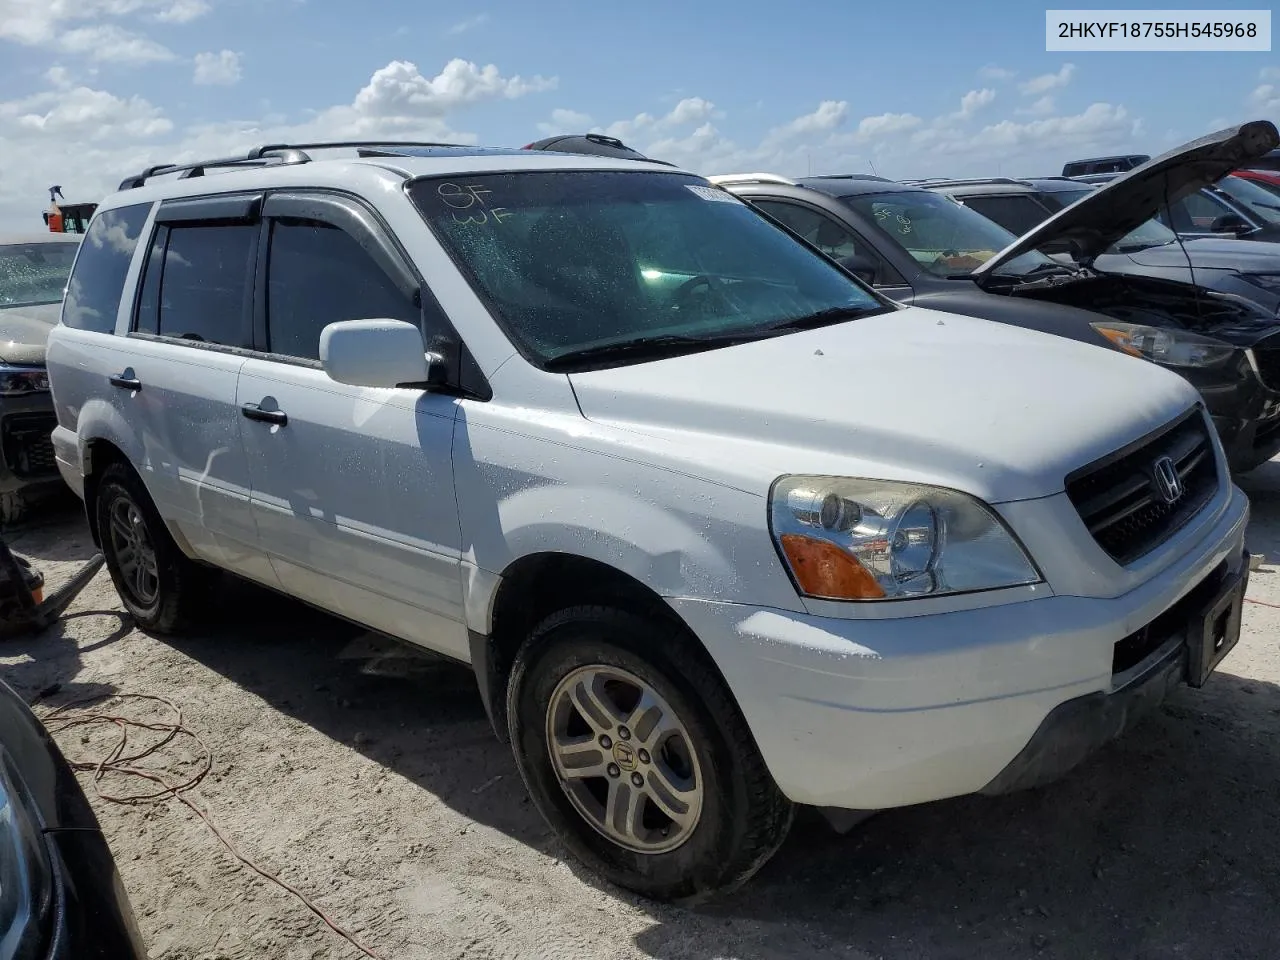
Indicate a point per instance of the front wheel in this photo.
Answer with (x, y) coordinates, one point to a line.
(636, 754)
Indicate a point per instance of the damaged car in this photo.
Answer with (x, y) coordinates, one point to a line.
(921, 247)
(33, 276)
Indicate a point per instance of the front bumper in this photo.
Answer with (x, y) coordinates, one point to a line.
(26, 447)
(867, 714)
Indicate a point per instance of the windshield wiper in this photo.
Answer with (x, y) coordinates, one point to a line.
(823, 318)
(648, 348)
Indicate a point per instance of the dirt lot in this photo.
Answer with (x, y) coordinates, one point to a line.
(366, 776)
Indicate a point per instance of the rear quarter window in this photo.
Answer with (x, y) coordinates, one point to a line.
(97, 279)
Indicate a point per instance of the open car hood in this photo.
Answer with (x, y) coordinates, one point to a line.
(1131, 199)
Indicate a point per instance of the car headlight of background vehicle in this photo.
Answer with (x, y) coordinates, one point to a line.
(1170, 348)
(26, 888)
(17, 381)
(850, 539)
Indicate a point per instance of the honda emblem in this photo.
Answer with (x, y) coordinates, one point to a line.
(1167, 482)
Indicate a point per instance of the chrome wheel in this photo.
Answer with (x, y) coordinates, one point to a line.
(624, 759)
(134, 552)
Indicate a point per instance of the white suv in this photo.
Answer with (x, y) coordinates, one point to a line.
(720, 529)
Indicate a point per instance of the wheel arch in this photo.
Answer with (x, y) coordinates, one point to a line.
(534, 587)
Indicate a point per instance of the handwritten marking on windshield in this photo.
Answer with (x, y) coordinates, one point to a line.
(471, 197)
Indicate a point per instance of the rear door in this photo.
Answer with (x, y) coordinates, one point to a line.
(174, 377)
(352, 486)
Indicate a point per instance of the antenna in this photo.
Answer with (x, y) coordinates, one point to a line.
(871, 164)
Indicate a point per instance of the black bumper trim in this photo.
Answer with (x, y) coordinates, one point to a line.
(1076, 729)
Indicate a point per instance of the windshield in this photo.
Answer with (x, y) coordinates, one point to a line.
(1261, 201)
(1271, 186)
(944, 237)
(585, 260)
(34, 273)
(1153, 233)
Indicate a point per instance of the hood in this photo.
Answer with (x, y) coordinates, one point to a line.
(1133, 198)
(24, 332)
(1237, 256)
(907, 395)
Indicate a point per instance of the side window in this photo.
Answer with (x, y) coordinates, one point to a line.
(829, 236)
(1195, 213)
(97, 278)
(1017, 214)
(318, 274)
(205, 282)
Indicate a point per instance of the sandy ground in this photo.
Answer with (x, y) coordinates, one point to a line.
(366, 775)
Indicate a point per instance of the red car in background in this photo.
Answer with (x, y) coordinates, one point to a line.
(1267, 179)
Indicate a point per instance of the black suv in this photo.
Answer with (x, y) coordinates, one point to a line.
(923, 247)
(1077, 168)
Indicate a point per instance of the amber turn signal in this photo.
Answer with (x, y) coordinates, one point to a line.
(824, 571)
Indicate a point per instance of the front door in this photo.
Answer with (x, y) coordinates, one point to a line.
(352, 487)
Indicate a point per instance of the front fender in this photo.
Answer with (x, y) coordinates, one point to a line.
(687, 538)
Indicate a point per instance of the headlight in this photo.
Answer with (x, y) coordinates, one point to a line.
(1170, 348)
(1268, 281)
(16, 381)
(848, 539)
(26, 893)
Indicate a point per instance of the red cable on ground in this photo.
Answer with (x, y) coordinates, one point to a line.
(118, 762)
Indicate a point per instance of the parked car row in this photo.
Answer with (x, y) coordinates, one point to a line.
(721, 528)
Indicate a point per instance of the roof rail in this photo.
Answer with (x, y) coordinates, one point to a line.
(967, 181)
(850, 176)
(724, 178)
(271, 153)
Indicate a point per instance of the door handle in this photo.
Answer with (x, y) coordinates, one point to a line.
(125, 383)
(255, 412)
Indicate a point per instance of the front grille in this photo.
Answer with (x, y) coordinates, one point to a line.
(27, 442)
(1267, 359)
(1121, 500)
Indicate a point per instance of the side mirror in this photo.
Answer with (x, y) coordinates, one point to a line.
(1230, 223)
(374, 353)
(861, 266)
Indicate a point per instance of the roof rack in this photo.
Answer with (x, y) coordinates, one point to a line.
(850, 176)
(967, 181)
(724, 178)
(268, 154)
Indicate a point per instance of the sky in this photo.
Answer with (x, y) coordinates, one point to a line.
(93, 90)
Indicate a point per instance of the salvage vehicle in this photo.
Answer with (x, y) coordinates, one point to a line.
(1077, 168)
(600, 430)
(60, 893)
(923, 247)
(33, 274)
(1231, 207)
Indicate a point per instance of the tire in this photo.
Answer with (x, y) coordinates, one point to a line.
(732, 816)
(14, 508)
(175, 589)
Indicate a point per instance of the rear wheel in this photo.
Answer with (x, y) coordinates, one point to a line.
(636, 754)
(162, 589)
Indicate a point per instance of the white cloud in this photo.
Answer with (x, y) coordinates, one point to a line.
(829, 115)
(183, 11)
(565, 121)
(885, 124)
(1048, 81)
(975, 100)
(59, 77)
(217, 69)
(692, 110)
(39, 22)
(688, 111)
(1269, 73)
(82, 113)
(471, 23)
(993, 72)
(108, 43)
(400, 90)
(1040, 108)
(1266, 98)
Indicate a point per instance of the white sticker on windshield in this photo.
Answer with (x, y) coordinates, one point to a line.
(713, 193)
